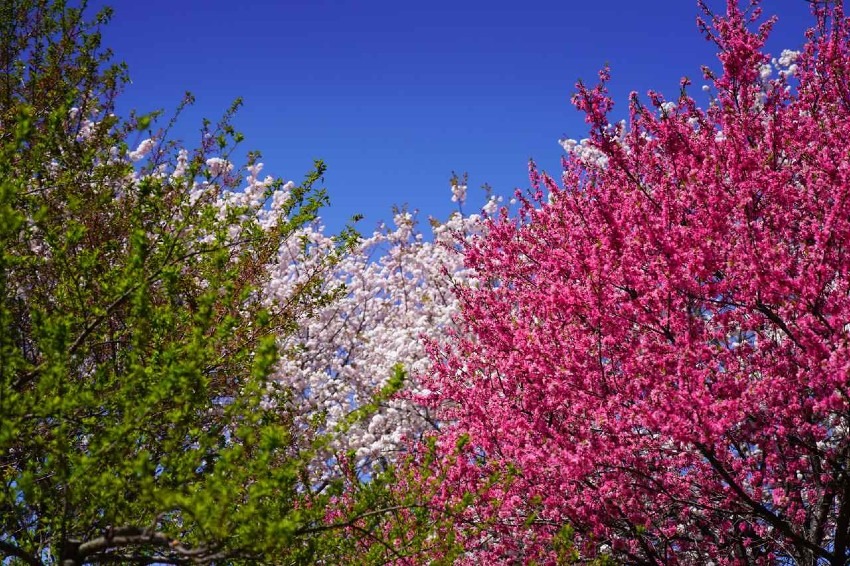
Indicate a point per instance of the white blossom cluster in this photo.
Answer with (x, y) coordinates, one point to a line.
(585, 152)
(396, 291)
(785, 65)
(257, 199)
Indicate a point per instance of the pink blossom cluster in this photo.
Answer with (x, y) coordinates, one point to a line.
(657, 357)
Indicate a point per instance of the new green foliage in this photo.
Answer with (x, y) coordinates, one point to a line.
(137, 423)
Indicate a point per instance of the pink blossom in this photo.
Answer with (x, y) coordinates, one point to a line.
(657, 352)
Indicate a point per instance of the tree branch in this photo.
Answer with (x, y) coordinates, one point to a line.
(8, 549)
(124, 537)
(842, 525)
(775, 319)
(759, 509)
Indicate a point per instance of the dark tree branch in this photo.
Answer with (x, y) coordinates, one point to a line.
(759, 509)
(8, 549)
(841, 527)
(98, 549)
(775, 319)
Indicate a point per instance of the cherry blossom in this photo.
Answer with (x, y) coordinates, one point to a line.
(393, 290)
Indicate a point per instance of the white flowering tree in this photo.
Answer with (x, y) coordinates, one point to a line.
(395, 290)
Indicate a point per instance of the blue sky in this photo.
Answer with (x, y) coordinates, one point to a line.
(394, 96)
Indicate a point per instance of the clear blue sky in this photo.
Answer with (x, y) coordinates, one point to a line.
(394, 96)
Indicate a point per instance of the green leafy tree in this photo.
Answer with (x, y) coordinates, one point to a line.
(137, 420)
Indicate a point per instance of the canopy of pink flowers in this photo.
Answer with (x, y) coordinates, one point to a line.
(658, 353)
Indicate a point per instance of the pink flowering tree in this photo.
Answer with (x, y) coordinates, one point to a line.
(656, 359)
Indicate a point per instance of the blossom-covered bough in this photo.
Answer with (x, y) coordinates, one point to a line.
(655, 361)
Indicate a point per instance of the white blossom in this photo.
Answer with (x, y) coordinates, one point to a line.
(142, 151)
(218, 166)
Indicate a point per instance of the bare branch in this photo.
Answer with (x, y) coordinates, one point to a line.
(124, 537)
